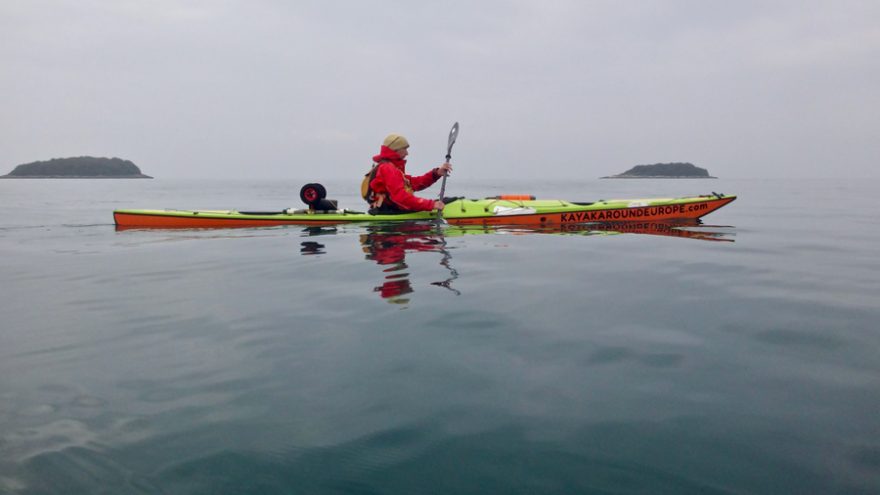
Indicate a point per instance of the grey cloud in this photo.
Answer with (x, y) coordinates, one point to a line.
(271, 88)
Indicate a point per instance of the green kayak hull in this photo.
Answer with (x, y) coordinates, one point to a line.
(530, 212)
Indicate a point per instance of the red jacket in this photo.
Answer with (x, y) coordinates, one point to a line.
(392, 181)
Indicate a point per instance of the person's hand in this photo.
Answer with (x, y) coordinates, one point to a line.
(438, 205)
(445, 169)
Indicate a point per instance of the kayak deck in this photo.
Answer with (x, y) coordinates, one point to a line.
(458, 212)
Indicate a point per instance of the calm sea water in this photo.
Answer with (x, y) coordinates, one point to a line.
(742, 356)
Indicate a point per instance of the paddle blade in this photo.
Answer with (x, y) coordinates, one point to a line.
(453, 134)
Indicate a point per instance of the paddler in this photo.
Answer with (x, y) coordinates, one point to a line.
(391, 189)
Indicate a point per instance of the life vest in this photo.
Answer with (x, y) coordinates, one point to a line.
(366, 190)
(375, 199)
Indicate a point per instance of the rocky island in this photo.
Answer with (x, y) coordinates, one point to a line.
(83, 167)
(676, 170)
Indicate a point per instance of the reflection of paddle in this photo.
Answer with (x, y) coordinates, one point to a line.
(445, 262)
(453, 133)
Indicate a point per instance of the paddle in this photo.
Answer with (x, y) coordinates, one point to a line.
(453, 133)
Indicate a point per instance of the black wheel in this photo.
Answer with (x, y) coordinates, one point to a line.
(312, 193)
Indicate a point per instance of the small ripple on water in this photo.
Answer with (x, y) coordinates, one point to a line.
(799, 338)
(867, 458)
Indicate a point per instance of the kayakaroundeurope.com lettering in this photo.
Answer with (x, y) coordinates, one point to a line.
(623, 213)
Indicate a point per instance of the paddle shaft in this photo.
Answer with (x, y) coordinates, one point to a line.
(443, 184)
(453, 134)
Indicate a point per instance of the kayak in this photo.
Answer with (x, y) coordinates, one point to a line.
(489, 211)
(499, 210)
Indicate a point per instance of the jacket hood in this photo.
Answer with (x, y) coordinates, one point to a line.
(387, 154)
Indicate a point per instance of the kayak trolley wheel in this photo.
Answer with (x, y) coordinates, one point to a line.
(312, 193)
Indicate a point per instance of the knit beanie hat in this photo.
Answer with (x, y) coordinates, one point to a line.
(396, 142)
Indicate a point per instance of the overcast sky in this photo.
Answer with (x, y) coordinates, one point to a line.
(557, 89)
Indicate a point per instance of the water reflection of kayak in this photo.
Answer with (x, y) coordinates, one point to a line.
(691, 229)
(490, 211)
(389, 244)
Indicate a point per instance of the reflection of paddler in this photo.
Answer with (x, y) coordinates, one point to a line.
(393, 289)
(389, 248)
